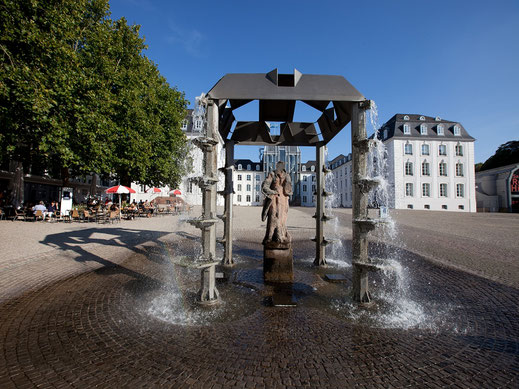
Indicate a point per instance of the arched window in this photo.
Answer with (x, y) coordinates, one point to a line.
(303, 168)
(312, 168)
(258, 167)
(426, 171)
(457, 130)
(442, 169)
(408, 168)
(459, 169)
(240, 166)
(437, 118)
(248, 167)
(406, 117)
(422, 118)
(408, 149)
(407, 129)
(423, 129)
(439, 129)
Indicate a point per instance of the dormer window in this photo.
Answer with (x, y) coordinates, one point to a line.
(198, 125)
(312, 168)
(303, 168)
(437, 118)
(422, 118)
(248, 167)
(385, 135)
(406, 117)
(423, 129)
(183, 127)
(240, 167)
(407, 129)
(457, 131)
(439, 129)
(258, 167)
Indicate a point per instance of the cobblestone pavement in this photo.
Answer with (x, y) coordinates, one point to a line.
(116, 324)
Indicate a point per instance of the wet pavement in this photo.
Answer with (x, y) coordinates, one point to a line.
(124, 325)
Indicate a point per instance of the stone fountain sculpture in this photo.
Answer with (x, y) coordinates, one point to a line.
(277, 244)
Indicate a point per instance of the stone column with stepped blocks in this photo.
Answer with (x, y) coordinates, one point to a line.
(361, 187)
(208, 293)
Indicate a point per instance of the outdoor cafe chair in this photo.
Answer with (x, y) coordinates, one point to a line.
(75, 215)
(38, 215)
(2, 214)
(19, 214)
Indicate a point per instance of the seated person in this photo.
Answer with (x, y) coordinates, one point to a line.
(40, 207)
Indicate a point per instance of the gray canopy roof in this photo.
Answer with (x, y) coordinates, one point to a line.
(277, 95)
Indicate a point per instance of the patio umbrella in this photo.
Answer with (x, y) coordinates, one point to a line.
(154, 190)
(120, 189)
(175, 192)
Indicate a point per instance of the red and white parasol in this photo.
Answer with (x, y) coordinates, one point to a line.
(154, 190)
(175, 192)
(120, 189)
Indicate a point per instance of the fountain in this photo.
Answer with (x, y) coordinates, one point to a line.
(207, 142)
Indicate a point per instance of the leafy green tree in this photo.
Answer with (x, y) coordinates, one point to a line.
(506, 154)
(77, 95)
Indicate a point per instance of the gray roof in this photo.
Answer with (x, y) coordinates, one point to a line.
(395, 128)
(245, 162)
(277, 95)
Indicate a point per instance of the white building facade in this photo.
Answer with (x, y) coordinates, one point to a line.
(307, 184)
(247, 179)
(341, 168)
(430, 164)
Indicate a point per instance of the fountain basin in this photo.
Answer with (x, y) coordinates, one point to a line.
(202, 223)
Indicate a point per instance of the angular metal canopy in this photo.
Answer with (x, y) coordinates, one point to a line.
(277, 95)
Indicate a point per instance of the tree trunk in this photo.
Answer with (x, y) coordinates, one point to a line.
(16, 185)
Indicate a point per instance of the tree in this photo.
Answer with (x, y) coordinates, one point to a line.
(77, 95)
(506, 154)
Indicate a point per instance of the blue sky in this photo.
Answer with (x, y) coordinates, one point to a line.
(456, 59)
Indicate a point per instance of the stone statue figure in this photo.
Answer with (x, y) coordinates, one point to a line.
(277, 188)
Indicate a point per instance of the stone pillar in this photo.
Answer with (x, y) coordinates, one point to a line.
(320, 259)
(229, 191)
(360, 203)
(209, 195)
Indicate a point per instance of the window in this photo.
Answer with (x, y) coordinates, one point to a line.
(426, 169)
(249, 177)
(442, 168)
(407, 129)
(248, 167)
(408, 168)
(443, 190)
(459, 150)
(239, 177)
(457, 131)
(198, 125)
(257, 188)
(425, 149)
(461, 207)
(423, 129)
(248, 187)
(439, 129)
(258, 167)
(257, 177)
(427, 206)
(239, 187)
(409, 189)
(239, 198)
(304, 199)
(408, 149)
(303, 168)
(313, 178)
(422, 118)
(312, 168)
(257, 198)
(410, 206)
(426, 190)
(240, 167)
(460, 190)
(406, 117)
(437, 118)
(305, 178)
(190, 187)
(444, 206)
(313, 188)
(385, 134)
(184, 125)
(442, 149)
(304, 188)
(459, 169)
(248, 198)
